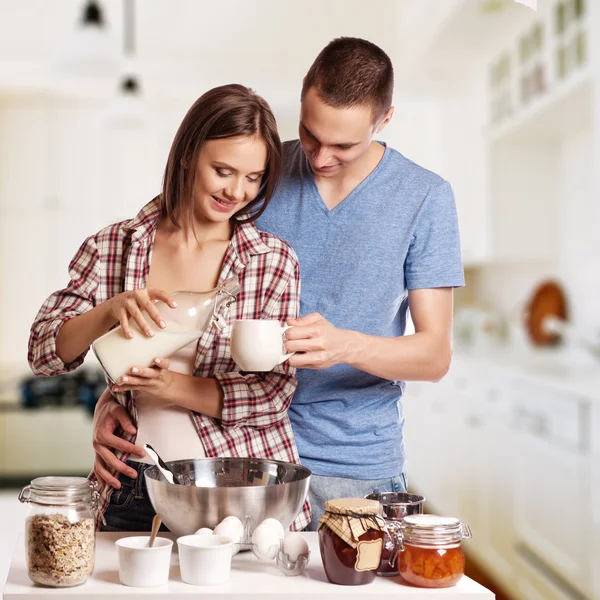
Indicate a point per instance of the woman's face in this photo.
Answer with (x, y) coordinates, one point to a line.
(229, 173)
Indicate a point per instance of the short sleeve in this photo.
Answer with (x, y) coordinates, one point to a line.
(434, 257)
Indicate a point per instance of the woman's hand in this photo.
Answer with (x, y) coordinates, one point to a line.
(153, 380)
(129, 305)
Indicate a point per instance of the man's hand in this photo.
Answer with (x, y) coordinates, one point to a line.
(318, 343)
(108, 416)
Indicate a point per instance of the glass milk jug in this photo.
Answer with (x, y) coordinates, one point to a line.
(194, 314)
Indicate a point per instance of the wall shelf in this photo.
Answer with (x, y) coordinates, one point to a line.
(566, 108)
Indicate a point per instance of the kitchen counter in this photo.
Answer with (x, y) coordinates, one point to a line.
(251, 579)
(576, 373)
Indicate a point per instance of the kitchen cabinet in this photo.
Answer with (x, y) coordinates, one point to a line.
(487, 500)
(552, 510)
(26, 254)
(434, 447)
(36, 442)
(518, 474)
(66, 171)
(525, 195)
(25, 154)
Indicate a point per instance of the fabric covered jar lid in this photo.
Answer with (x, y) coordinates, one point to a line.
(352, 506)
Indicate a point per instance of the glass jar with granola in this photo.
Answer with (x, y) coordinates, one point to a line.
(430, 555)
(60, 534)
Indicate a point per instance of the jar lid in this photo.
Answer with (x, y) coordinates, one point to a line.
(352, 506)
(54, 490)
(433, 530)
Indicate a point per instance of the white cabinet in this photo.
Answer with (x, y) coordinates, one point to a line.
(25, 125)
(553, 510)
(65, 172)
(511, 456)
(434, 450)
(488, 501)
(525, 193)
(26, 250)
(35, 442)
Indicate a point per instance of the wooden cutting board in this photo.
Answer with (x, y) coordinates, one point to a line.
(548, 299)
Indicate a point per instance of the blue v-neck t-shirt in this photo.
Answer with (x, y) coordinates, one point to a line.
(396, 231)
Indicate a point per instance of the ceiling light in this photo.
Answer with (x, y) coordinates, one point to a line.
(91, 51)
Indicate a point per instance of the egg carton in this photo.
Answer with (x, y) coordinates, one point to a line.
(284, 562)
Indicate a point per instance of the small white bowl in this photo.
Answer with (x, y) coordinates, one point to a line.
(140, 566)
(204, 560)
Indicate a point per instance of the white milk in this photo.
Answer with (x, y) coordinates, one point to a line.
(117, 353)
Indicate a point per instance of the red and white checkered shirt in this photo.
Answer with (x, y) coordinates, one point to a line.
(254, 422)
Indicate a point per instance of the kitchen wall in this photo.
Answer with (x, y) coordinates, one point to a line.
(507, 285)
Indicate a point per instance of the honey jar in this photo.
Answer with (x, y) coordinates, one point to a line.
(351, 540)
(430, 555)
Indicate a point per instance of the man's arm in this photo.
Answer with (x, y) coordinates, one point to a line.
(423, 356)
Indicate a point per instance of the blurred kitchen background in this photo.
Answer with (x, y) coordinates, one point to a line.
(501, 100)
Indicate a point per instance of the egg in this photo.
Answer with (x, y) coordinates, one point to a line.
(276, 525)
(294, 545)
(265, 542)
(232, 528)
(204, 531)
(234, 522)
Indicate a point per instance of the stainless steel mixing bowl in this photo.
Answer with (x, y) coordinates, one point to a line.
(216, 488)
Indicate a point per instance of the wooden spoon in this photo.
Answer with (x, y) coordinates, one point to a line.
(155, 527)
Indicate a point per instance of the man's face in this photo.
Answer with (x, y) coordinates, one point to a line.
(333, 138)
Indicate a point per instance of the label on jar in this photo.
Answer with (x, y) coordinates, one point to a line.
(368, 555)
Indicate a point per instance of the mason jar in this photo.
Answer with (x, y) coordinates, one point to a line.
(430, 550)
(394, 507)
(60, 533)
(350, 540)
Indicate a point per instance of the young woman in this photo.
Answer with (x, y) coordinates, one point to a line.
(222, 169)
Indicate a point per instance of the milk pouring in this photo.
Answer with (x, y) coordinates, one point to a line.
(194, 314)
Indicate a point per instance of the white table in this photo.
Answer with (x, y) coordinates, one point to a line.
(251, 579)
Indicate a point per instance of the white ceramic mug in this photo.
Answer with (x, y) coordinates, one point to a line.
(204, 559)
(257, 344)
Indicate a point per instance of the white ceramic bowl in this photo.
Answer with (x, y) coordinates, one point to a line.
(140, 566)
(205, 560)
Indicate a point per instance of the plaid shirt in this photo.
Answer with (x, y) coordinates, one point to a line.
(254, 422)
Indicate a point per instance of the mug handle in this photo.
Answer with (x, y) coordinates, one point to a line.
(284, 357)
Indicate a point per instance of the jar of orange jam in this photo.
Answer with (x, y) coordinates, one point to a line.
(430, 555)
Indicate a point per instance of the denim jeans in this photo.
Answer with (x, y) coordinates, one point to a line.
(130, 508)
(327, 488)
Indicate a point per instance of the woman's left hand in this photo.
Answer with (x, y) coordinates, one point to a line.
(151, 380)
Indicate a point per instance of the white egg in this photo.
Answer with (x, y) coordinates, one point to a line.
(233, 519)
(229, 530)
(275, 524)
(265, 542)
(294, 545)
(204, 531)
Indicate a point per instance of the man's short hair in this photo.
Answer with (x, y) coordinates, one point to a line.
(352, 72)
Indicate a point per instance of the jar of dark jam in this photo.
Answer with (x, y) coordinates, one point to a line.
(431, 555)
(351, 540)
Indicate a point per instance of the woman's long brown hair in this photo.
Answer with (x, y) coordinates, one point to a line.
(223, 112)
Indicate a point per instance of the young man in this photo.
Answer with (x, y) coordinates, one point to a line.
(375, 234)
